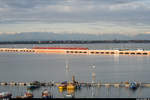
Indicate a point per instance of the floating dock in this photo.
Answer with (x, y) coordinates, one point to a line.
(83, 84)
(76, 51)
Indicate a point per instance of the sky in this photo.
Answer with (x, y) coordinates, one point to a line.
(75, 16)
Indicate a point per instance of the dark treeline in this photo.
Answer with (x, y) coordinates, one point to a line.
(75, 41)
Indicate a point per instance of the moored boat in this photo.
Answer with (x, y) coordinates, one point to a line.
(27, 94)
(133, 85)
(4, 95)
(69, 96)
(46, 94)
(33, 85)
(71, 86)
(63, 85)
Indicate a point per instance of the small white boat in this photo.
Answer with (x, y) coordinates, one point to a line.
(69, 96)
(28, 94)
(46, 94)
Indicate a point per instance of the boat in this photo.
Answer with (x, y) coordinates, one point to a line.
(69, 96)
(46, 94)
(71, 86)
(28, 94)
(4, 95)
(33, 85)
(133, 85)
(75, 83)
(63, 85)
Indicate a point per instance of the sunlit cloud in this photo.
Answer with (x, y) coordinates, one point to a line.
(75, 16)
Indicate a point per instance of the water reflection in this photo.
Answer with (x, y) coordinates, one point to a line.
(26, 67)
(116, 58)
(91, 92)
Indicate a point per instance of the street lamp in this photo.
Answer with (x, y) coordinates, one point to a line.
(93, 78)
(93, 73)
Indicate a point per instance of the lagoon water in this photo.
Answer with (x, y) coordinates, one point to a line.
(27, 67)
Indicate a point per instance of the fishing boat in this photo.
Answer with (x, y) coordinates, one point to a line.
(46, 94)
(4, 95)
(63, 85)
(27, 94)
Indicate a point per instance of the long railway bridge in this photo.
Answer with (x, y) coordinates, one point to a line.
(79, 51)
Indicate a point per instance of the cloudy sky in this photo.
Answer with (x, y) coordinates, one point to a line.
(75, 16)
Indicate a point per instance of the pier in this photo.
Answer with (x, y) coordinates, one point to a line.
(82, 84)
(71, 86)
(78, 51)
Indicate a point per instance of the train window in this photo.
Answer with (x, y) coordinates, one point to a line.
(138, 53)
(112, 53)
(144, 53)
(132, 53)
(76, 51)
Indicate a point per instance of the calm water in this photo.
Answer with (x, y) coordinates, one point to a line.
(47, 67)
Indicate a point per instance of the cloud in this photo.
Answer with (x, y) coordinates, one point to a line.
(125, 14)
